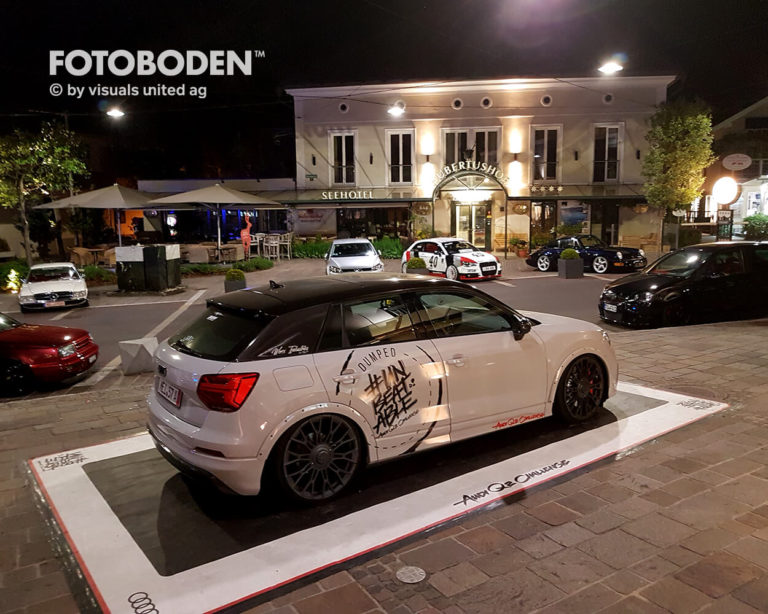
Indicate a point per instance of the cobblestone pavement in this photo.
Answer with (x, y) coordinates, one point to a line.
(680, 525)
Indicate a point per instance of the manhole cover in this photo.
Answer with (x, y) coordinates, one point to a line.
(411, 575)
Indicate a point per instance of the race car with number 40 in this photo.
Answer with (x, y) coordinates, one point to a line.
(453, 258)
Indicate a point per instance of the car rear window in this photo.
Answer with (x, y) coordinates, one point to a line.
(220, 334)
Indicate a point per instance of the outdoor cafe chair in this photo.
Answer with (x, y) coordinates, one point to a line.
(286, 243)
(272, 247)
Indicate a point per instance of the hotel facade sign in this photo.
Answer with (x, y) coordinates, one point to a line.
(483, 168)
(347, 195)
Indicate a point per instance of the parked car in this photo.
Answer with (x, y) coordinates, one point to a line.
(713, 281)
(598, 256)
(32, 353)
(56, 284)
(352, 256)
(453, 258)
(310, 380)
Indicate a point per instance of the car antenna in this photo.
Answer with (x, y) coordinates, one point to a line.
(273, 285)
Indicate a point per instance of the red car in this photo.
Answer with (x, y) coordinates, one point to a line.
(30, 353)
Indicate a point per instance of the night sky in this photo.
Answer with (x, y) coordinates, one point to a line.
(243, 128)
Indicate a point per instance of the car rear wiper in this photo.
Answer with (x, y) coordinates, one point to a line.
(188, 350)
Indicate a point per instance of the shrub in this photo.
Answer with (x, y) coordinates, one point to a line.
(201, 269)
(416, 263)
(234, 275)
(689, 236)
(540, 239)
(569, 254)
(98, 275)
(254, 264)
(567, 229)
(311, 249)
(389, 247)
(19, 266)
(756, 227)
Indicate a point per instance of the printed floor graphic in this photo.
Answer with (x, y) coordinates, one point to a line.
(141, 534)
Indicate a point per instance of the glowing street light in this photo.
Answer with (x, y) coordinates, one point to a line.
(610, 68)
(397, 109)
(115, 113)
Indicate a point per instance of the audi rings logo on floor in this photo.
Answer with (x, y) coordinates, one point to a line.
(142, 604)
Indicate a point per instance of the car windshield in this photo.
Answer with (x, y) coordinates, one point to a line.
(679, 264)
(7, 322)
(53, 273)
(348, 250)
(454, 247)
(592, 241)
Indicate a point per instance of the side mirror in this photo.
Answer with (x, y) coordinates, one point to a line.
(82, 272)
(326, 255)
(378, 250)
(522, 329)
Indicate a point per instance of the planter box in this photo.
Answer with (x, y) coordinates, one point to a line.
(230, 285)
(418, 271)
(570, 269)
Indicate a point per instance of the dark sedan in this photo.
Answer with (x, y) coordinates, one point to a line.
(598, 256)
(32, 353)
(708, 282)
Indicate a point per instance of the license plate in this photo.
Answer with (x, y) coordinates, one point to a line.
(488, 268)
(168, 392)
(92, 359)
(609, 307)
(55, 304)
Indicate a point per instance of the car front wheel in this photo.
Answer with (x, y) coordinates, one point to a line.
(452, 272)
(581, 390)
(318, 458)
(15, 378)
(544, 263)
(600, 264)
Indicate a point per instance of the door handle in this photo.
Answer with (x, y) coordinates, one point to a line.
(347, 377)
(457, 360)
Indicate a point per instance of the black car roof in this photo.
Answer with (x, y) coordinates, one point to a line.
(277, 298)
(719, 244)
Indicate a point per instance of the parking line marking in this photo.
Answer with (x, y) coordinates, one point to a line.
(504, 283)
(113, 364)
(58, 316)
(599, 277)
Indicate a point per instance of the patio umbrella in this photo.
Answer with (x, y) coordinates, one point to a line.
(114, 197)
(218, 195)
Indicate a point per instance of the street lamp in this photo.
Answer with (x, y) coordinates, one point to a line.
(610, 68)
(115, 113)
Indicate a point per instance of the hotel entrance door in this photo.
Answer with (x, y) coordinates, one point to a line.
(473, 224)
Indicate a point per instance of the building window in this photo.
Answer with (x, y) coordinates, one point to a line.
(606, 164)
(343, 152)
(476, 145)
(455, 146)
(757, 168)
(401, 157)
(545, 153)
(486, 146)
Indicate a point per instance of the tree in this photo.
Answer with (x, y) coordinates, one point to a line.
(680, 136)
(34, 164)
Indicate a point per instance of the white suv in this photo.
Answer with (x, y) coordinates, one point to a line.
(311, 380)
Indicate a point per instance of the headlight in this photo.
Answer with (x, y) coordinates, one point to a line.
(642, 253)
(334, 269)
(80, 294)
(28, 298)
(67, 350)
(619, 255)
(377, 267)
(642, 297)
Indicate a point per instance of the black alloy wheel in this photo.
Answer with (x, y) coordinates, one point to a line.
(581, 390)
(318, 458)
(15, 378)
(674, 313)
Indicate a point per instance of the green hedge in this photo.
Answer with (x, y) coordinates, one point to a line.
(202, 269)
(389, 247)
(254, 264)
(756, 227)
(234, 274)
(97, 274)
(311, 249)
(569, 254)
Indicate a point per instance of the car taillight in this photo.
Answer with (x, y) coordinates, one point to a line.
(226, 392)
(467, 261)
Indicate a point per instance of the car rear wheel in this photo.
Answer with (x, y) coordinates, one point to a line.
(675, 314)
(544, 263)
(600, 264)
(318, 458)
(15, 378)
(404, 267)
(452, 272)
(581, 390)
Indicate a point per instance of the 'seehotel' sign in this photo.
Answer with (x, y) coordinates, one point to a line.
(347, 195)
(483, 168)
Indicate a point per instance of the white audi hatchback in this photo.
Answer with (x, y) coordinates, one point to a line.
(310, 380)
(453, 258)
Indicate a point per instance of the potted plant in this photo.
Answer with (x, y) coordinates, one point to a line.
(522, 248)
(570, 265)
(234, 279)
(416, 266)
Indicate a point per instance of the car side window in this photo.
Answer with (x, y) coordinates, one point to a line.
(290, 334)
(453, 314)
(760, 258)
(378, 321)
(726, 262)
(430, 247)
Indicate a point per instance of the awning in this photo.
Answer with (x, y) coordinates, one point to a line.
(348, 197)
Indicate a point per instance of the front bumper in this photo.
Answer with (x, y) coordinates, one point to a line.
(41, 305)
(629, 264)
(69, 368)
(627, 313)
